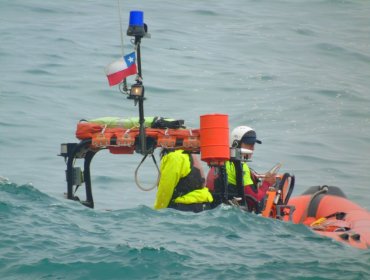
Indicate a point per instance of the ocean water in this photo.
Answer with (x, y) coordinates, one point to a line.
(296, 71)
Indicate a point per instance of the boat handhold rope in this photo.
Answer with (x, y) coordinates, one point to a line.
(104, 135)
(137, 170)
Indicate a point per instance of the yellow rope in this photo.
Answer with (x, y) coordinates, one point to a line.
(318, 222)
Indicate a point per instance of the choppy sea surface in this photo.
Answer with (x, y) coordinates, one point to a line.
(296, 71)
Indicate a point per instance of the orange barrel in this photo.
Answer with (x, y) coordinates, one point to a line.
(214, 138)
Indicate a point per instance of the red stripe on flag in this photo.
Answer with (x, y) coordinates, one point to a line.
(116, 78)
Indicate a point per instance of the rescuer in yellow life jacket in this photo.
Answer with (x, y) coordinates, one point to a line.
(182, 184)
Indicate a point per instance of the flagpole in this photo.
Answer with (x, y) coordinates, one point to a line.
(138, 29)
(125, 89)
(141, 99)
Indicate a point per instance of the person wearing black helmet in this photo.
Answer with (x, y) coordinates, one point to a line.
(236, 181)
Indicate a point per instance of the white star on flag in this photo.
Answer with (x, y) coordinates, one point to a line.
(120, 69)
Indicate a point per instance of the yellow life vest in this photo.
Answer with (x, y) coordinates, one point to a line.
(231, 174)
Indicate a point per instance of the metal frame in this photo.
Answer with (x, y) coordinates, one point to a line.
(79, 151)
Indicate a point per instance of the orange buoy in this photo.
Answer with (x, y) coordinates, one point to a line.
(214, 138)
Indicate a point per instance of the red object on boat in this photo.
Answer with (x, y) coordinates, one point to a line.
(211, 140)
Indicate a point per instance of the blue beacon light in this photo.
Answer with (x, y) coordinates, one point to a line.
(136, 24)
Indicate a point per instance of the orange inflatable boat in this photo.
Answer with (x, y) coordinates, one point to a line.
(328, 212)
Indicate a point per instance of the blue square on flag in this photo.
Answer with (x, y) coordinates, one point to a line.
(129, 59)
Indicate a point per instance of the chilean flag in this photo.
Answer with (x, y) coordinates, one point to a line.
(121, 68)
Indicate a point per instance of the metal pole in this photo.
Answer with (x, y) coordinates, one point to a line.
(142, 135)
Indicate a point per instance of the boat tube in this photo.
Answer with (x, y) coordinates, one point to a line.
(328, 212)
